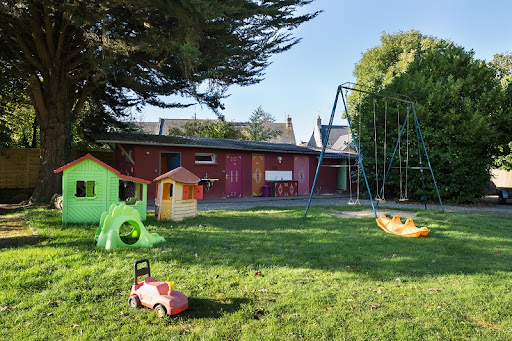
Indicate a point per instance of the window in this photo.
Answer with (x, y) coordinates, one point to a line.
(188, 192)
(167, 191)
(206, 158)
(85, 189)
(129, 191)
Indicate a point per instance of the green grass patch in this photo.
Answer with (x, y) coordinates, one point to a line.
(267, 274)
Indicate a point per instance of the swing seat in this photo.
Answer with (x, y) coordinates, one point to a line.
(403, 199)
(395, 226)
(381, 200)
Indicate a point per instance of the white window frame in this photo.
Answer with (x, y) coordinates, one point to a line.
(212, 161)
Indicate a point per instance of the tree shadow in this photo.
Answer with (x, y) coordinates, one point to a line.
(270, 237)
(281, 237)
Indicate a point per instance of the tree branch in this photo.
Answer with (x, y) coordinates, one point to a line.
(79, 104)
(32, 18)
(82, 58)
(27, 53)
(62, 35)
(48, 27)
(75, 52)
(75, 78)
(37, 96)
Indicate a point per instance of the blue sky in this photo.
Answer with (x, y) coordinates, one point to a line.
(302, 82)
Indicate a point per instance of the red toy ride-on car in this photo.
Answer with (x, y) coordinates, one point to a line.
(155, 294)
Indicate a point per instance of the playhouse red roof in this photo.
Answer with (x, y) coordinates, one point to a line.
(89, 156)
(180, 174)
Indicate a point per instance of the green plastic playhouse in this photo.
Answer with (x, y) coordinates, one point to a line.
(90, 187)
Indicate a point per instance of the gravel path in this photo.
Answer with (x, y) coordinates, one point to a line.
(488, 205)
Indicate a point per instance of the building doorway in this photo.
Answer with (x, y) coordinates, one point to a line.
(234, 184)
(169, 161)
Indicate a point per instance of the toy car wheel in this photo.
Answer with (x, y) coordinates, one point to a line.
(160, 311)
(134, 301)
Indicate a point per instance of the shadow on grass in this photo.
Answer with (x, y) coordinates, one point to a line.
(12, 208)
(267, 237)
(205, 308)
(281, 237)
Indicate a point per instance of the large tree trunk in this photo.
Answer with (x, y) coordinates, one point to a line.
(56, 86)
(54, 153)
(55, 122)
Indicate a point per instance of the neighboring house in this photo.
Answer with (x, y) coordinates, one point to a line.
(227, 168)
(164, 124)
(339, 141)
(339, 137)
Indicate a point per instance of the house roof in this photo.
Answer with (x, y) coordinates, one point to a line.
(200, 142)
(180, 174)
(344, 142)
(149, 127)
(334, 135)
(92, 158)
(162, 128)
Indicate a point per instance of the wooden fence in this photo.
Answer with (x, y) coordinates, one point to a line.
(19, 168)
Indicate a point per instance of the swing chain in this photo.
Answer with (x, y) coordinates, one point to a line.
(375, 144)
(357, 202)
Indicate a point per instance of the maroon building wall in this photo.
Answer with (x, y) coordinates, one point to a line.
(326, 182)
(147, 166)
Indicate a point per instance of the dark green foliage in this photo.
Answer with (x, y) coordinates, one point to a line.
(207, 128)
(504, 160)
(220, 129)
(459, 103)
(255, 129)
(117, 55)
(502, 65)
(16, 115)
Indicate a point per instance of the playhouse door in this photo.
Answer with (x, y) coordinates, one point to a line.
(234, 184)
(258, 174)
(301, 174)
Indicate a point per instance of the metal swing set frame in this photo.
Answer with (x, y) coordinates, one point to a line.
(399, 98)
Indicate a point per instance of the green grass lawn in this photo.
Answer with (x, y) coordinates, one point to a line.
(267, 274)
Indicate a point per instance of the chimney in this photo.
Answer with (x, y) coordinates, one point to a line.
(317, 132)
(161, 122)
(289, 122)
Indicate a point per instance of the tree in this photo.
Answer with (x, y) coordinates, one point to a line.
(120, 54)
(502, 65)
(459, 103)
(17, 120)
(207, 128)
(256, 130)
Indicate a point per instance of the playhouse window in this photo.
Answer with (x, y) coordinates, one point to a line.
(129, 191)
(188, 192)
(85, 189)
(206, 158)
(167, 191)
